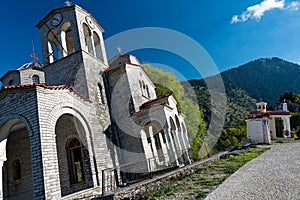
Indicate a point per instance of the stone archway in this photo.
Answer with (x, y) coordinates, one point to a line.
(15, 156)
(175, 140)
(155, 143)
(73, 159)
(81, 124)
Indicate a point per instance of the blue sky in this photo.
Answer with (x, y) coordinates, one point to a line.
(233, 32)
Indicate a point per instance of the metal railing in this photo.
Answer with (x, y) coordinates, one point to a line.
(124, 175)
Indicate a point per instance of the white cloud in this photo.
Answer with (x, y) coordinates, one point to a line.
(257, 11)
(294, 6)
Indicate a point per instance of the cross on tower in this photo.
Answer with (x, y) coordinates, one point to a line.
(32, 55)
(119, 50)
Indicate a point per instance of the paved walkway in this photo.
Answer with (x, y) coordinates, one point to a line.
(273, 175)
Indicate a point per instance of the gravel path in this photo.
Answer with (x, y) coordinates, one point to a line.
(273, 175)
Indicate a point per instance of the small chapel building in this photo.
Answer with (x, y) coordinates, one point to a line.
(78, 119)
(263, 126)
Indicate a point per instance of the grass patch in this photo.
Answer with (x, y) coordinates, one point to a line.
(204, 180)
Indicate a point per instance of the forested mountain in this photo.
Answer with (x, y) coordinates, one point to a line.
(265, 79)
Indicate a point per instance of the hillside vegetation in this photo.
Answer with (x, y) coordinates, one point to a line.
(265, 78)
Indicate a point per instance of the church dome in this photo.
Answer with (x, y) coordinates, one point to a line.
(32, 65)
(123, 59)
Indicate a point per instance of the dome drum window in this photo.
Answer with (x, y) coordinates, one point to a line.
(35, 79)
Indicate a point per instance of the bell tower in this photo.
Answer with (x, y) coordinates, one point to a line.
(261, 106)
(70, 29)
(73, 49)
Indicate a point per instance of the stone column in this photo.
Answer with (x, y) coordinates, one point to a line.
(63, 43)
(185, 148)
(48, 167)
(93, 44)
(60, 49)
(163, 147)
(172, 150)
(178, 144)
(286, 124)
(51, 53)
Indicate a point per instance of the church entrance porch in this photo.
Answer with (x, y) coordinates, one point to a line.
(280, 126)
(15, 161)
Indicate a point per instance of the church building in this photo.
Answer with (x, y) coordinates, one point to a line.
(68, 121)
(263, 125)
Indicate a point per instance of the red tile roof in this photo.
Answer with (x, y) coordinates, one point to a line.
(279, 112)
(159, 101)
(55, 87)
(259, 114)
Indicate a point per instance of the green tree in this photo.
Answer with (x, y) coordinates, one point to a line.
(233, 136)
(166, 81)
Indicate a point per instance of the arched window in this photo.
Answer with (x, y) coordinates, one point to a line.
(17, 169)
(177, 124)
(75, 161)
(157, 141)
(163, 135)
(10, 82)
(143, 88)
(53, 46)
(100, 93)
(67, 38)
(131, 107)
(88, 39)
(147, 91)
(97, 45)
(35, 79)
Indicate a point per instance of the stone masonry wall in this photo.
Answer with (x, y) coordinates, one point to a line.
(128, 129)
(136, 74)
(26, 76)
(22, 105)
(67, 71)
(52, 105)
(15, 76)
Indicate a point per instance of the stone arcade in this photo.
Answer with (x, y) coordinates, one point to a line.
(62, 124)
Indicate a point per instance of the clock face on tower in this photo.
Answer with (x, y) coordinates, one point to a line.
(56, 19)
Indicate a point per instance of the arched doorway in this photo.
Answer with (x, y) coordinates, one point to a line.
(73, 155)
(17, 169)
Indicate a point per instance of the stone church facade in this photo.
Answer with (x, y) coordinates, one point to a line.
(62, 124)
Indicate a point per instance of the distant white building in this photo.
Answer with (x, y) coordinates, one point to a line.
(264, 125)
